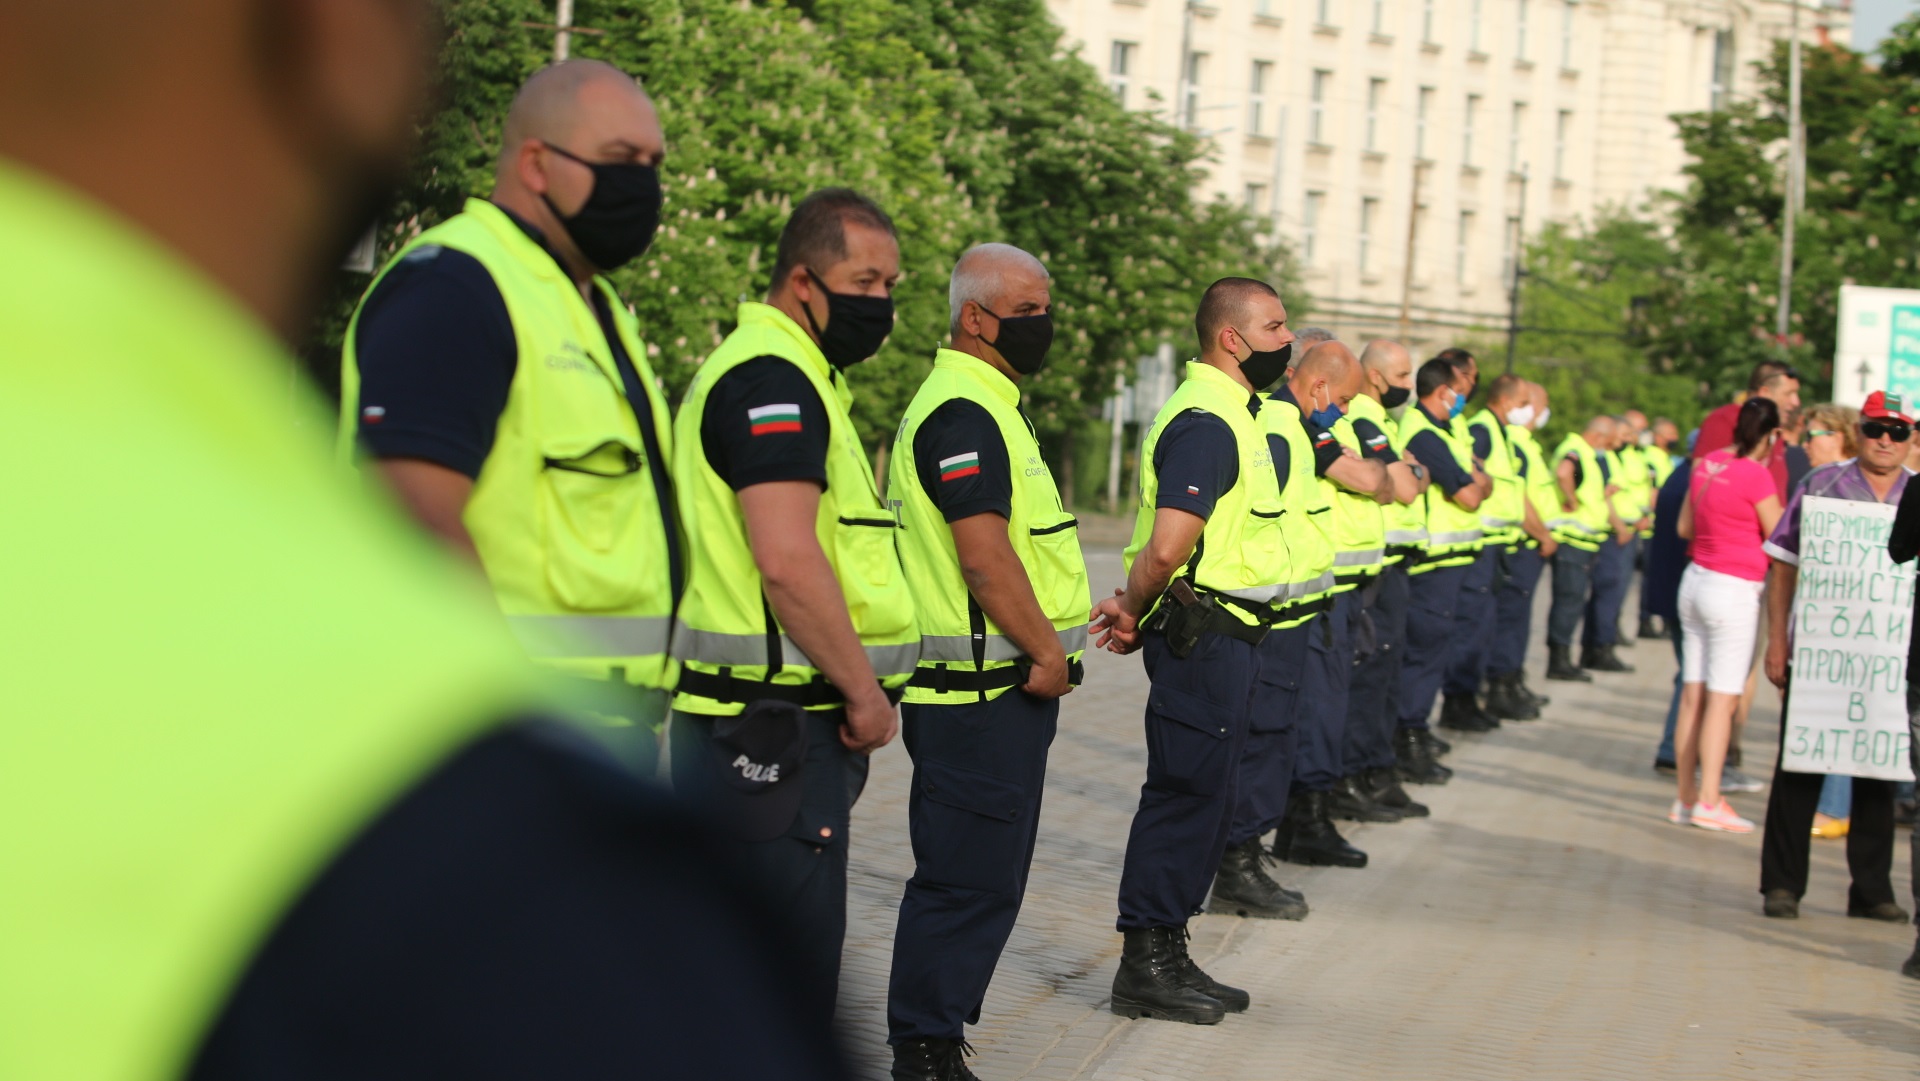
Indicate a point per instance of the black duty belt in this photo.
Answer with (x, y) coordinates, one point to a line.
(1317, 606)
(723, 686)
(1410, 552)
(1219, 621)
(943, 680)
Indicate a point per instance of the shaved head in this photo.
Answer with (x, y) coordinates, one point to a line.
(1327, 375)
(1599, 431)
(1385, 356)
(552, 103)
(1228, 303)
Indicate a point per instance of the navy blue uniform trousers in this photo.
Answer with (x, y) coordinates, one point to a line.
(1433, 595)
(1612, 574)
(1273, 730)
(1572, 584)
(973, 815)
(1196, 728)
(1473, 624)
(802, 872)
(1373, 699)
(1513, 611)
(1323, 696)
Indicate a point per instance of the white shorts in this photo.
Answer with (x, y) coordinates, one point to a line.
(1719, 620)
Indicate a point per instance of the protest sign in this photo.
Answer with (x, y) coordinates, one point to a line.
(1852, 610)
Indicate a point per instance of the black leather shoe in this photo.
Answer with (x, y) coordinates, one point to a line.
(1560, 666)
(1602, 659)
(1414, 762)
(1540, 701)
(1912, 968)
(1652, 627)
(930, 1060)
(1231, 999)
(1506, 701)
(1243, 888)
(1307, 835)
(1433, 743)
(1462, 714)
(1152, 981)
(1781, 905)
(1385, 788)
(1354, 802)
(1885, 910)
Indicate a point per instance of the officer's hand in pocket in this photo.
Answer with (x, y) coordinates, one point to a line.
(1049, 679)
(872, 722)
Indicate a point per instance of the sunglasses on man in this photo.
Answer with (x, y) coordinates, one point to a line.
(1898, 431)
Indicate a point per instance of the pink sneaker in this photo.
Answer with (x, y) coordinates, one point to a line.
(1679, 814)
(1719, 818)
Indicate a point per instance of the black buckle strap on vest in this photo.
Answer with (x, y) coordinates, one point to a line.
(724, 686)
(943, 680)
(977, 632)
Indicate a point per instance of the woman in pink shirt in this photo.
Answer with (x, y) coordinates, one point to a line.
(1731, 508)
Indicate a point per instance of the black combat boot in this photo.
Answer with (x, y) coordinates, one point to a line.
(1384, 785)
(930, 1060)
(1462, 714)
(1354, 802)
(1652, 627)
(1414, 762)
(1231, 999)
(1540, 701)
(1307, 835)
(1244, 888)
(1506, 701)
(1912, 967)
(1437, 747)
(1602, 659)
(1152, 980)
(1560, 665)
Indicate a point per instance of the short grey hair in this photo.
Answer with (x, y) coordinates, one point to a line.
(1307, 337)
(977, 276)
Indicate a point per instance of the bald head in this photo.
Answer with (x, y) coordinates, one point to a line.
(557, 102)
(1327, 375)
(1599, 432)
(1384, 365)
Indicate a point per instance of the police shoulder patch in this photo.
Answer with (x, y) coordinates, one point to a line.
(425, 253)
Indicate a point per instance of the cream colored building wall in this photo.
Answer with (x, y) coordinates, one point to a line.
(1616, 68)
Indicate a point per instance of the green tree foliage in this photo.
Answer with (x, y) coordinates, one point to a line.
(965, 121)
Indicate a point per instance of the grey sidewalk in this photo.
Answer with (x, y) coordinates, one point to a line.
(1546, 922)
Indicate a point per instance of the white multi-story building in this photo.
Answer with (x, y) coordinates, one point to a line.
(1394, 143)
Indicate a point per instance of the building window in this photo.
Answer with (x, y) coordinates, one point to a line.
(1566, 35)
(1119, 68)
(1562, 126)
(1310, 224)
(1473, 27)
(1369, 209)
(1263, 8)
(1379, 16)
(1462, 247)
(1256, 199)
(1426, 21)
(1520, 24)
(1323, 12)
(1376, 93)
(1257, 97)
(1317, 108)
(1720, 91)
(1466, 129)
(1421, 111)
(1191, 107)
(1513, 136)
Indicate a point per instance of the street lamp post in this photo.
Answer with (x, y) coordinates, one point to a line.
(1796, 140)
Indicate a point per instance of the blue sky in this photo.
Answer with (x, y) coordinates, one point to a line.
(1873, 18)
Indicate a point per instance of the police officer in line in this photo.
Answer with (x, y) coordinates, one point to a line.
(1613, 568)
(502, 387)
(1201, 572)
(1520, 406)
(1638, 482)
(1502, 438)
(1659, 445)
(1584, 523)
(797, 633)
(1001, 591)
(1270, 762)
(322, 787)
(1453, 535)
(1473, 611)
(1370, 753)
(1323, 385)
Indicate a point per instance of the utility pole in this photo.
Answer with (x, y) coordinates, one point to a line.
(1783, 312)
(1114, 440)
(1413, 229)
(563, 29)
(1183, 118)
(1519, 271)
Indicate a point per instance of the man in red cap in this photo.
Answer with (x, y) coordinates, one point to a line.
(1878, 475)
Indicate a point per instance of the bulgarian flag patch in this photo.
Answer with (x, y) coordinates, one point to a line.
(771, 419)
(960, 465)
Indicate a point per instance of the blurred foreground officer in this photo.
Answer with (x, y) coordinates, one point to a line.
(1001, 591)
(1373, 697)
(1507, 692)
(1453, 543)
(1201, 569)
(500, 382)
(313, 825)
(1585, 522)
(797, 634)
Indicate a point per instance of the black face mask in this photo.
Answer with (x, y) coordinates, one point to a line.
(1395, 397)
(620, 216)
(1024, 340)
(856, 325)
(1265, 367)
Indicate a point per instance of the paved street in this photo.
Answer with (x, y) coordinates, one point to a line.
(1546, 922)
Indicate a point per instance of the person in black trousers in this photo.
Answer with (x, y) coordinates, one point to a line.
(1903, 544)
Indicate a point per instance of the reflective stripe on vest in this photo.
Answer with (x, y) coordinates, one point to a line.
(1587, 524)
(1453, 533)
(750, 651)
(1405, 523)
(590, 636)
(1359, 529)
(1504, 509)
(1307, 518)
(957, 649)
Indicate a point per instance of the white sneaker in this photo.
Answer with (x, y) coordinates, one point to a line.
(1732, 780)
(1679, 814)
(1719, 818)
